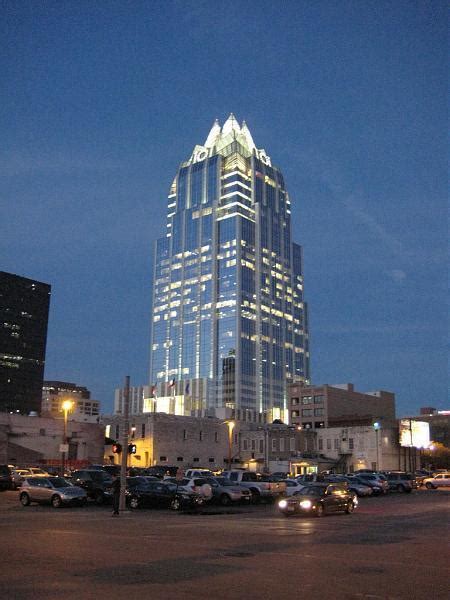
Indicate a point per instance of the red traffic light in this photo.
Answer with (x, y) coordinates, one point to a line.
(117, 448)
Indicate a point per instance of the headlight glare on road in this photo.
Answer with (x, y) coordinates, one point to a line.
(306, 503)
(282, 503)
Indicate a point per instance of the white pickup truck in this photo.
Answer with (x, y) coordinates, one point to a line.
(260, 489)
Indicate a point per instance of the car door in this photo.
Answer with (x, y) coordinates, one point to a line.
(39, 491)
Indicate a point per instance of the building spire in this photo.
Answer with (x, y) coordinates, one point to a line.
(213, 135)
(231, 125)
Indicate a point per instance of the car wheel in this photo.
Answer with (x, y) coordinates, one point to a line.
(175, 504)
(350, 508)
(56, 501)
(225, 500)
(99, 498)
(134, 502)
(256, 496)
(25, 499)
(429, 485)
(319, 511)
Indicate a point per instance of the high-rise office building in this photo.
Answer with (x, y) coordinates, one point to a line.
(24, 306)
(229, 326)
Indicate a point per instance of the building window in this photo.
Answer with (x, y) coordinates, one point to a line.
(253, 444)
(245, 444)
(318, 399)
(295, 401)
(320, 444)
(307, 399)
(261, 446)
(281, 444)
(200, 436)
(211, 460)
(307, 425)
(163, 459)
(196, 459)
(41, 431)
(318, 412)
(292, 444)
(319, 424)
(274, 444)
(143, 430)
(184, 434)
(350, 443)
(307, 412)
(336, 444)
(328, 444)
(117, 432)
(295, 413)
(216, 436)
(179, 458)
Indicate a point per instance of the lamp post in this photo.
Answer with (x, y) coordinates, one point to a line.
(377, 427)
(230, 425)
(66, 406)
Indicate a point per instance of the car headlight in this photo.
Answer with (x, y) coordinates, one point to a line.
(282, 503)
(306, 503)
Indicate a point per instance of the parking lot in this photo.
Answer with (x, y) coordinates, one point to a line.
(391, 547)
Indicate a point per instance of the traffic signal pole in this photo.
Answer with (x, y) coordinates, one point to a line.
(125, 434)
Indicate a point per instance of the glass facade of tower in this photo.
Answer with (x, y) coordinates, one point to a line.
(229, 321)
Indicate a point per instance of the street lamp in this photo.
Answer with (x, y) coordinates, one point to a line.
(230, 425)
(66, 406)
(377, 427)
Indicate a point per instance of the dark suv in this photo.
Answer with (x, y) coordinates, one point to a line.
(6, 481)
(97, 484)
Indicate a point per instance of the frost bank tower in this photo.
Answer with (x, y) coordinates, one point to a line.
(229, 322)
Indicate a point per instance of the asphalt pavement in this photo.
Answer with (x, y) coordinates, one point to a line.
(391, 547)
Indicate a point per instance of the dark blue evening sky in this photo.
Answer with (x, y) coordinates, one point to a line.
(101, 101)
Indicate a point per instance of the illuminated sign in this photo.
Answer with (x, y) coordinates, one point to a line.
(414, 434)
(199, 155)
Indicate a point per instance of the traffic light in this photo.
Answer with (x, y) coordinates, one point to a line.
(117, 448)
(131, 448)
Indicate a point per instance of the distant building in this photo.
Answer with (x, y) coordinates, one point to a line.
(320, 406)
(54, 393)
(136, 401)
(171, 440)
(24, 308)
(228, 298)
(36, 441)
(439, 421)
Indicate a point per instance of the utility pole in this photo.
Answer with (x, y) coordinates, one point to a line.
(125, 434)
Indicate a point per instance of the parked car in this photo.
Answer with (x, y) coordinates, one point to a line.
(259, 485)
(441, 479)
(378, 485)
(142, 492)
(33, 472)
(292, 487)
(360, 489)
(162, 471)
(189, 473)
(399, 481)
(196, 485)
(16, 478)
(319, 499)
(226, 492)
(97, 484)
(5, 477)
(51, 490)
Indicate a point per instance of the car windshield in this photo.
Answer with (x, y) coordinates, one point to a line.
(59, 482)
(369, 477)
(99, 476)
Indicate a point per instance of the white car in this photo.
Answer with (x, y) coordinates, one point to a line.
(196, 485)
(292, 486)
(441, 479)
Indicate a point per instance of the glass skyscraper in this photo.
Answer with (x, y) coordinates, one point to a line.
(229, 323)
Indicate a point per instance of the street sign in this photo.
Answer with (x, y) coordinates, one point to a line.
(64, 448)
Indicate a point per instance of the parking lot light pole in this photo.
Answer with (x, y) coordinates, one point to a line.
(66, 406)
(377, 427)
(230, 425)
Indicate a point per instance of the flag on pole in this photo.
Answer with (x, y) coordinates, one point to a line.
(186, 389)
(172, 383)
